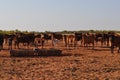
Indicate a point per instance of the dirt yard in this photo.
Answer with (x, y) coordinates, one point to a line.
(75, 64)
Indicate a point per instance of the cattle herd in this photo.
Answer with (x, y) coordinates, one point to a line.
(85, 39)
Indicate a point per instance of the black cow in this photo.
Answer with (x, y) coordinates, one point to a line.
(57, 36)
(103, 38)
(1, 41)
(78, 37)
(27, 38)
(47, 36)
(98, 37)
(115, 42)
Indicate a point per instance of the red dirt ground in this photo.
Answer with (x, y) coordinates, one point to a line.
(76, 64)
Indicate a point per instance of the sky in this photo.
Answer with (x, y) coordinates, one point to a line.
(59, 15)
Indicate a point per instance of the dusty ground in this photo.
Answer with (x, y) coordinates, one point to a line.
(75, 64)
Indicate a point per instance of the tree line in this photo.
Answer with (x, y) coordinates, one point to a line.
(63, 32)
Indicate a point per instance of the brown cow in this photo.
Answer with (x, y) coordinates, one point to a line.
(88, 39)
(70, 39)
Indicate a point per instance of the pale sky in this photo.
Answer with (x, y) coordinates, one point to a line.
(58, 15)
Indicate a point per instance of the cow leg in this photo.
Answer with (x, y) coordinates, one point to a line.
(96, 42)
(18, 45)
(52, 41)
(28, 45)
(107, 43)
(81, 42)
(101, 42)
(119, 49)
(42, 43)
(5, 41)
(93, 46)
(0, 47)
(84, 44)
(75, 43)
(15, 44)
(104, 42)
(112, 49)
(87, 45)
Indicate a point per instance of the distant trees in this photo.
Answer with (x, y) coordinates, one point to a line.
(9, 31)
(63, 32)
